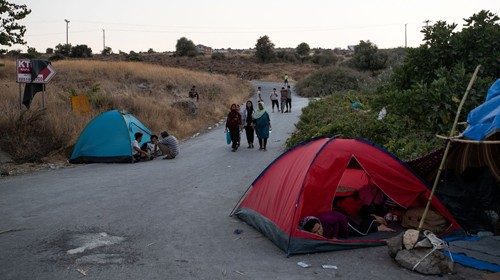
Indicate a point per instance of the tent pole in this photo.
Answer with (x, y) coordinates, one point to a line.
(448, 144)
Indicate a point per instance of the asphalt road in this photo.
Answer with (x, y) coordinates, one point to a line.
(162, 220)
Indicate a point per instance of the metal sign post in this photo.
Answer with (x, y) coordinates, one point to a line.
(24, 70)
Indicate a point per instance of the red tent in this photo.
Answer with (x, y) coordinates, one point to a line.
(304, 180)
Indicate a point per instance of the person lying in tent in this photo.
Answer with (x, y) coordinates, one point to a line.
(363, 219)
(137, 153)
(329, 224)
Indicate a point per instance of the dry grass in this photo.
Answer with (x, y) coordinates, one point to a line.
(35, 133)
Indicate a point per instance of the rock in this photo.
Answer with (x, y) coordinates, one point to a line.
(395, 244)
(4, 157)
(410, 238)
(434, 264)
(188, 106)
(144, 86)
(424, 243)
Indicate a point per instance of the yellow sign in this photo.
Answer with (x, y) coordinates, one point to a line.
(80, 104)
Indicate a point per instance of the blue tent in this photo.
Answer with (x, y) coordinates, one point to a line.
(108, 138)
(484, 120)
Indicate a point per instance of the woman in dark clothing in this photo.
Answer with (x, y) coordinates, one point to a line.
(248, 122)
(233, 124)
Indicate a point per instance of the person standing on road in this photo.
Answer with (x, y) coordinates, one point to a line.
(289, 99)
(262, 125)
(284, 97)
(248, 123)
(259, 94)
(233, 124)
(286, 79)
(274, 100)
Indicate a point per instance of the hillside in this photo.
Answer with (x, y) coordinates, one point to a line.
(148, 91)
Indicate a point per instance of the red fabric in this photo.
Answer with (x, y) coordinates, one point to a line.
(350, 206)
(301, 184)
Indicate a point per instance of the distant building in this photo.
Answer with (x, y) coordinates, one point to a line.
(201, 49)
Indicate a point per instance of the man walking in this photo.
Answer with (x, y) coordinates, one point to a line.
(274, 100)
(284, 97)
(289, 99)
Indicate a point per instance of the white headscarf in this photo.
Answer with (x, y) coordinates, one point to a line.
(258, 112)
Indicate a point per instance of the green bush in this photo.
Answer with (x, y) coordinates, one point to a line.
(325, 58)
(333, 115)
(218, 56)
(329, 80)
(133, 56)
(63, 50)
(81, 51)
(367, 57)
(185, 47)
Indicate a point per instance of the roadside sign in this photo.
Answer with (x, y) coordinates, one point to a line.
(23, 68)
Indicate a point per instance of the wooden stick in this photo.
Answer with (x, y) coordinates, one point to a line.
(455, 139)
(448, 144)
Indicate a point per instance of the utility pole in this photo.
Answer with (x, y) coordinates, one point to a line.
(406, 41)
(67, 21)
(103, 39)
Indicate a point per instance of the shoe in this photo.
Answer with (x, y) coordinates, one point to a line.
(249, 147)
(233, 150)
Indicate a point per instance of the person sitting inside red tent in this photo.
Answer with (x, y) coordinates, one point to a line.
(362, 218)
(329, 224)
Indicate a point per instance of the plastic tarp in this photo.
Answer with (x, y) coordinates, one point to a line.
(484, 120)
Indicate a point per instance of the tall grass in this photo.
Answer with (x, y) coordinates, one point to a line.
(30, 135)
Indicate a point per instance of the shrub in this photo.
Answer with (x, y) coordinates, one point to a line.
(218, 56)
(327, 81)
(303, 49)
(325, 58)
(133, 56)
(333, 115)
(64, 50)
(107, 51)
(185, 47)
(32, 53)
(264, 49)
(81, 51)
(367, 57)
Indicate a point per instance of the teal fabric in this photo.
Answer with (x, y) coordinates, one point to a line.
(108, 138)
(262, 126)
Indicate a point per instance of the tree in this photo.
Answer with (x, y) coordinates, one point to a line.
(185, 47)
(303, 49)
(264, 49)
(81, 51)
(11, 32)
(151, 50)
(63, 50)
(367, 57)
(49, 51)
(32, 52)
(107, 51)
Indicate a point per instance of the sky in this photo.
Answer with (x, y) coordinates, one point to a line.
(140, 25)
